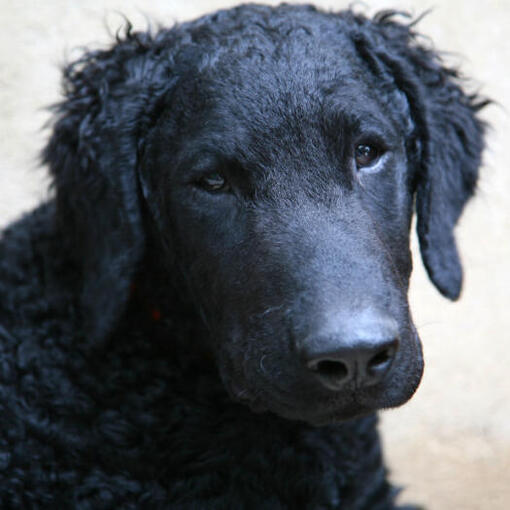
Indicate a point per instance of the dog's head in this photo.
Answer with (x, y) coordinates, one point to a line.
(273, 157)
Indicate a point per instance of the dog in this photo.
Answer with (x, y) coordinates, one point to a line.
(213, 306)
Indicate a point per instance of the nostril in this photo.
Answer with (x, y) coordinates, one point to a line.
(333, 374)
(379, 364)
(332, 369)
(380, 359)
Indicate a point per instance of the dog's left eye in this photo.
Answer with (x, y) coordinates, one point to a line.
(366, 155)
(213, 182)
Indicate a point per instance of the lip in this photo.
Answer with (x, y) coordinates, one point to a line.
(323, 417)
(319, 415)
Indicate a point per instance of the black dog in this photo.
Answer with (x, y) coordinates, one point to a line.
(215, 304)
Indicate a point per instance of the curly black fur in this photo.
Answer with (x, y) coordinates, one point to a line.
(151, 325)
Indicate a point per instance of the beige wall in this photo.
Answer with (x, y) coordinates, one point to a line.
(451, 444)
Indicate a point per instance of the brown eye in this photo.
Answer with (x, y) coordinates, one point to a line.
(366, 155)
(213, 182)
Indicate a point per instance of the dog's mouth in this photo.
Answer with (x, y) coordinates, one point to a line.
(316, 409)
(318, 413)
(294, 397)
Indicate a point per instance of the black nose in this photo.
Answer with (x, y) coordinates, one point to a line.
(348, 357)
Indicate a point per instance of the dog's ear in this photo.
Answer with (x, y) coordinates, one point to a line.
(451, 156)
(446, 142)
(92, 155)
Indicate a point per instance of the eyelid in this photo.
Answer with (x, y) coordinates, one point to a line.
(372, 138)
(377, 165)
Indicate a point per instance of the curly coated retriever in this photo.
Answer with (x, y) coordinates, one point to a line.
(213, 306)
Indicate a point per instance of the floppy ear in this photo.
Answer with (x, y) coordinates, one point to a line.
(446, 143)
(92, 155)
(451, 158)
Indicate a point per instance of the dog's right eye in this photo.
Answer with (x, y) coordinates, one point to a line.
(213, 182)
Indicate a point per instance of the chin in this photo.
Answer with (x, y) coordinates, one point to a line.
(320, 418)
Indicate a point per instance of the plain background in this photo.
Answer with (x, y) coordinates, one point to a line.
(450, 446)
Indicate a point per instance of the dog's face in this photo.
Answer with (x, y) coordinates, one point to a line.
(289, 202)
(281, 174)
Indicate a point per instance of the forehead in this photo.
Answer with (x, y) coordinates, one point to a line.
(301, 75)
(309, 88)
